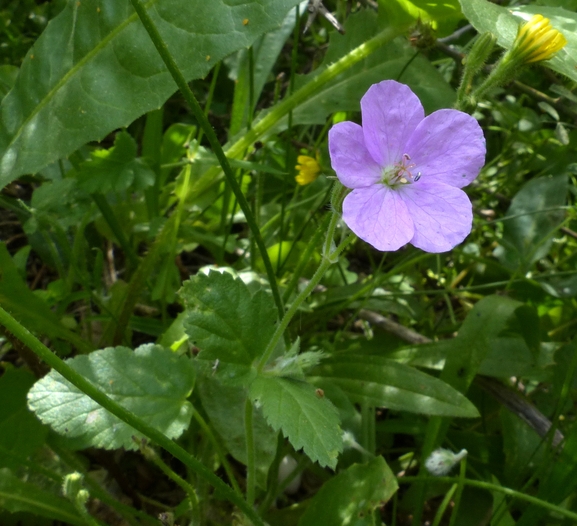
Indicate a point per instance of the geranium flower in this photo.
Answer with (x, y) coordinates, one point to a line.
(407, 170)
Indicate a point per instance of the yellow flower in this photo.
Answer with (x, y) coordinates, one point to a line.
(538, 40)
(308, 169)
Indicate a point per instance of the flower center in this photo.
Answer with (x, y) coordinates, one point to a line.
(400, 173)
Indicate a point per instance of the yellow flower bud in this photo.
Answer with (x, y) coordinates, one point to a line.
(538, 40)
(308, 169)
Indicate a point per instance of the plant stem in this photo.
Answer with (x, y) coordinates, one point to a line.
(309, 90)
(494, 487)
(250, 452)
(327, 261)
(201, 118)
(76, 379)
(460, 487)
(444, 504)
(151, 455)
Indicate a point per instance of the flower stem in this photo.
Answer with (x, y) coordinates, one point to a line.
(327, 261)
(178, 77)
(76, 379)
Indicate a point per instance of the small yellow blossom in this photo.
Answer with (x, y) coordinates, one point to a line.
(538, 40)
(308, 169)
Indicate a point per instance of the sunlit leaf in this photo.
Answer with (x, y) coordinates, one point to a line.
(95, 69)
(306, 418)
(152, 382)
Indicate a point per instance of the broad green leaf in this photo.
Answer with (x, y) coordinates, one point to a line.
(442, 16)
(382, 382)
(20, 432)
(8, 76)
(16, 495)
(532, 219)
(346, 90)
(150, 381)
(229, 325)
(225, 406)
(265, 51)
(305, 417)
(116, 169)
(503, 22)
(351, 496)
(95, 69)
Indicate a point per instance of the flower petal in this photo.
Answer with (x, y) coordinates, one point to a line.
(378, 216)
(350, 158)
(448, 146)
(391, 112)
(442, 215)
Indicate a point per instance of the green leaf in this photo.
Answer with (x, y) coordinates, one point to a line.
(345, 91)
(150, 381)
(531, 221)
(352, 495)
(385, 383)
(307, 419)
(94, 69)
(27, 307)
(16, 495)
(116, 169)
(228, 323)
(469, 349)
(443, 16)
(265, 54)
(8, 76)
(20, 431)
(225, 406)
(504, 22)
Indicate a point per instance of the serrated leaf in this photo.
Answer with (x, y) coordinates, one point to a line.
(20, 432)
(308, 420)
(94, 69)
(115, 169)
(228, 323)
(352, 495)
(504, 22)
(16, 495)
(382, 382)
(150, 381)
(225, 406)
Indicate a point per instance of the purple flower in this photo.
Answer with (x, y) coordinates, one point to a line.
(406, 170)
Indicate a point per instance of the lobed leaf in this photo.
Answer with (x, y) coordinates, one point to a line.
(150, 381)
(227, 322)
(308, 420)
